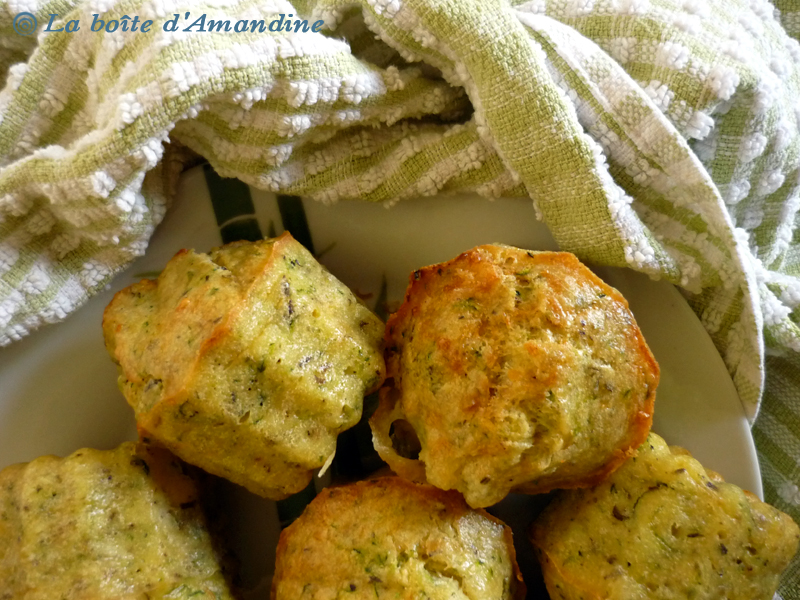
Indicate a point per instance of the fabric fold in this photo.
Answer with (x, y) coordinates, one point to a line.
(657, 136)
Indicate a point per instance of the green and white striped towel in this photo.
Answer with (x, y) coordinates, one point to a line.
(659, 134)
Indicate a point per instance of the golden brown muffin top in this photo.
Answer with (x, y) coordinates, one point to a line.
(390, 538)
(517, 370)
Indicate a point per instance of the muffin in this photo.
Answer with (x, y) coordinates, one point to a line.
(391, 538)
(663, 528)
(118, 524)
(512, 370)
(247, 362)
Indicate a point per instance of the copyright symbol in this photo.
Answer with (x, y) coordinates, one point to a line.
(25, 24)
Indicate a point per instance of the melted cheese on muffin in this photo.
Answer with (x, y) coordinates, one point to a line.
(516, 370)
(390, 538)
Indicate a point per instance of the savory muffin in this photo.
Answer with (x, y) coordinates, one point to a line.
(118, 524)
(512, 370)
(663, 528)
(390, 538)
(247, 362)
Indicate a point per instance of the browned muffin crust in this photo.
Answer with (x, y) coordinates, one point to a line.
(122, 524)
(663, 528)
(517, 370)
(389, 538)
(247, 361)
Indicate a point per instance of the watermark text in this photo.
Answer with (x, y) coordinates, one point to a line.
(25, 24)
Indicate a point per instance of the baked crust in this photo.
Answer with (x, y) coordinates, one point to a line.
(120, 524)
(662, 527)
(390, 538)
(517, 370)
(247, 362)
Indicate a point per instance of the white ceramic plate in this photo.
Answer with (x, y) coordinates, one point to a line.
(58, 387)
